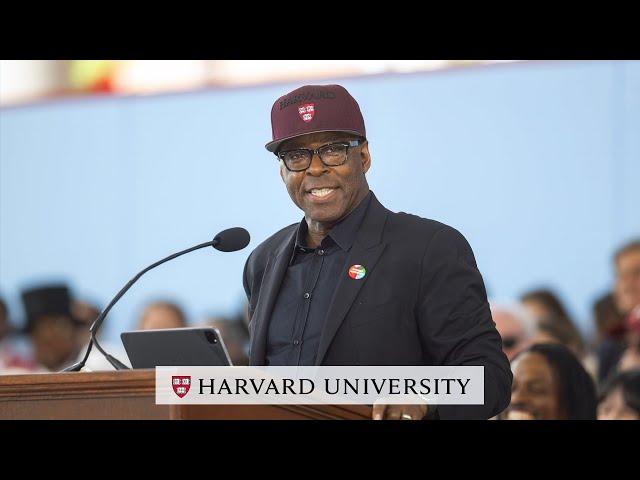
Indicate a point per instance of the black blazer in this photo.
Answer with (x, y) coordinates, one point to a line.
(421, 302)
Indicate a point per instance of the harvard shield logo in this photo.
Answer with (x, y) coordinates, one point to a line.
(307, 111)
(181, 384)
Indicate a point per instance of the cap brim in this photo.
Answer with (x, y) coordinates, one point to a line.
(273, 146)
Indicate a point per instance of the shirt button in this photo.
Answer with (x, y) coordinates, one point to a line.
(307, 295)
(320, 252)
(296, 342)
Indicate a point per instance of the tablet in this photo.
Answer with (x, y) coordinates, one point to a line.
(171, 347)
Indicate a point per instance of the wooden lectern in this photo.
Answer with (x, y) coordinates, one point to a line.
(130, 395)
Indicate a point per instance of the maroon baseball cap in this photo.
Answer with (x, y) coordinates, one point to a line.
(314, 108)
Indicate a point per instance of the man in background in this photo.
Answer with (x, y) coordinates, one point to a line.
(626, 297)
(515, 325)
(627, 285)
(50, 325)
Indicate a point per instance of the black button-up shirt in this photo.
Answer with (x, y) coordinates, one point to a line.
(307, 290)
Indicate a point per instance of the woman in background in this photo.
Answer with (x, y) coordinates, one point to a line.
(554, 325)
(549, 383)
(553, 319)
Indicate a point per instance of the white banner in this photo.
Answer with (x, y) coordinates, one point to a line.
(320, 385)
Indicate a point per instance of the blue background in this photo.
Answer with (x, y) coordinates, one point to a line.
(537, 164)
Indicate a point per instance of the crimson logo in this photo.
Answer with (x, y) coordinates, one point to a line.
(307, 111)
(181, 384)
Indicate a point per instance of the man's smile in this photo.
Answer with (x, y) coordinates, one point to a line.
(320, 195)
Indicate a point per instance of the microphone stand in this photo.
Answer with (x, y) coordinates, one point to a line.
(117, 364)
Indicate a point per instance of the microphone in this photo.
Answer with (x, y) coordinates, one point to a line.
(229, 240)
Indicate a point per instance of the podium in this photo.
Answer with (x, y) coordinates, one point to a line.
(130, 395)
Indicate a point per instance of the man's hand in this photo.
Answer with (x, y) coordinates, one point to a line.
(382, 411)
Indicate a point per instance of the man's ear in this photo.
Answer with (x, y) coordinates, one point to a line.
(282, 167)
(365, 157)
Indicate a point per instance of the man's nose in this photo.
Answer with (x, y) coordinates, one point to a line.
(316, 167)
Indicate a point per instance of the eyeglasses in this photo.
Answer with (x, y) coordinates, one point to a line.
(331, 155)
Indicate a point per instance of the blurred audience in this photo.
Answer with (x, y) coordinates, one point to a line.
(620, 397)
(555, 370)
(515, 325)
(549, 383)
(619, 344)
(160, 315)
(55, 336)
(50, 325)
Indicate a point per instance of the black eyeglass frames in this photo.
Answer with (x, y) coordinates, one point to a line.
(331, 154)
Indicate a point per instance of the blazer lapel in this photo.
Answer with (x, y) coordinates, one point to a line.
(365, 251)
(274, 274)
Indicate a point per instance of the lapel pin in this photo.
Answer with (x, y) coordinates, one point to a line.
(357, 272)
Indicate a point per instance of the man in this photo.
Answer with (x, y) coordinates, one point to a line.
(627, 286)
(516, 327)
(354, 283)
(50, 325)
(626, 296)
